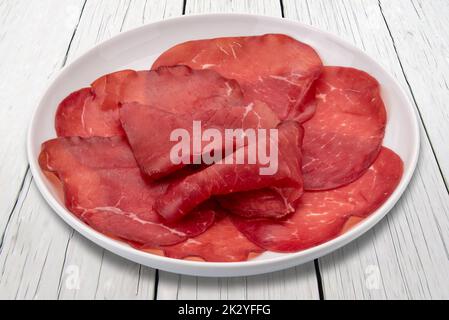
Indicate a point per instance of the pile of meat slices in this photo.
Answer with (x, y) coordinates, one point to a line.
(112, 154)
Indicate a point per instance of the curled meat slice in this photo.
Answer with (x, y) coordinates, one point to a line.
(221, 243)
(92, 111)
(104, 187)
(150, 133)
(230, 176)
(322, 215)
(273, 68)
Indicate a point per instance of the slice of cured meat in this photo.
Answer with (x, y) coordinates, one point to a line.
(270, 203)
(321, 215)
(231, 176)
(104, 187)
(272, 68)
(221, 243)
(345, 136)
(149, 131)
(92, 111)
(180, 90)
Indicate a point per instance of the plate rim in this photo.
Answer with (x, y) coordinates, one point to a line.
(220, 269)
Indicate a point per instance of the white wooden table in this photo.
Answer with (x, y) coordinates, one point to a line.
(405, 257)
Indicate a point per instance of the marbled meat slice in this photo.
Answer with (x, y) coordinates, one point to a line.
(104, 187)
(272, 68)
(225, 178)
(321, 215)
(92, 111)
(149, 132)
(180, 90)
(345, 135)
(271, 203)
(221, 243)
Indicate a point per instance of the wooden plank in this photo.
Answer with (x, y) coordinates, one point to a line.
(406, 255)
(421, 38)
(104, 19)
(263, 7)
(30, 57)
(59, 263)
(33, 252)
(296, 283)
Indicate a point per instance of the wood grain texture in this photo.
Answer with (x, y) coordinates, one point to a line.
(41, 257)
(263, 7)
(33, 253)
(29, 59)
(421, 39)
(296, 283)
(405, 256)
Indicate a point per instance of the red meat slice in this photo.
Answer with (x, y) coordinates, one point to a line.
(95, 111)
(322, 215)
(270, 203)
(345, 136)
(272, 68)
(222, 178)
(149, 131)
(221, 243)
(103, 186)
(92, 111)
(179, 89)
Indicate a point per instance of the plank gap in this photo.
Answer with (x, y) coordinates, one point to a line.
(319, 280)
(413, 96)
(184, 7)
(64, 62)
(156, 284)
(14, 207)
(63, 263)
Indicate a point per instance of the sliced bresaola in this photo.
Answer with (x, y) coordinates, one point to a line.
(221, 243)
(271, 203)
(149, 131)
(272, 68)
(92, 111)
(345, 135)
(230, 177)
(321, 215)
(180, 90)
(104, 187)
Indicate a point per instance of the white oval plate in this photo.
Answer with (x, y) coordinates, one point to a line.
(137, 49)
